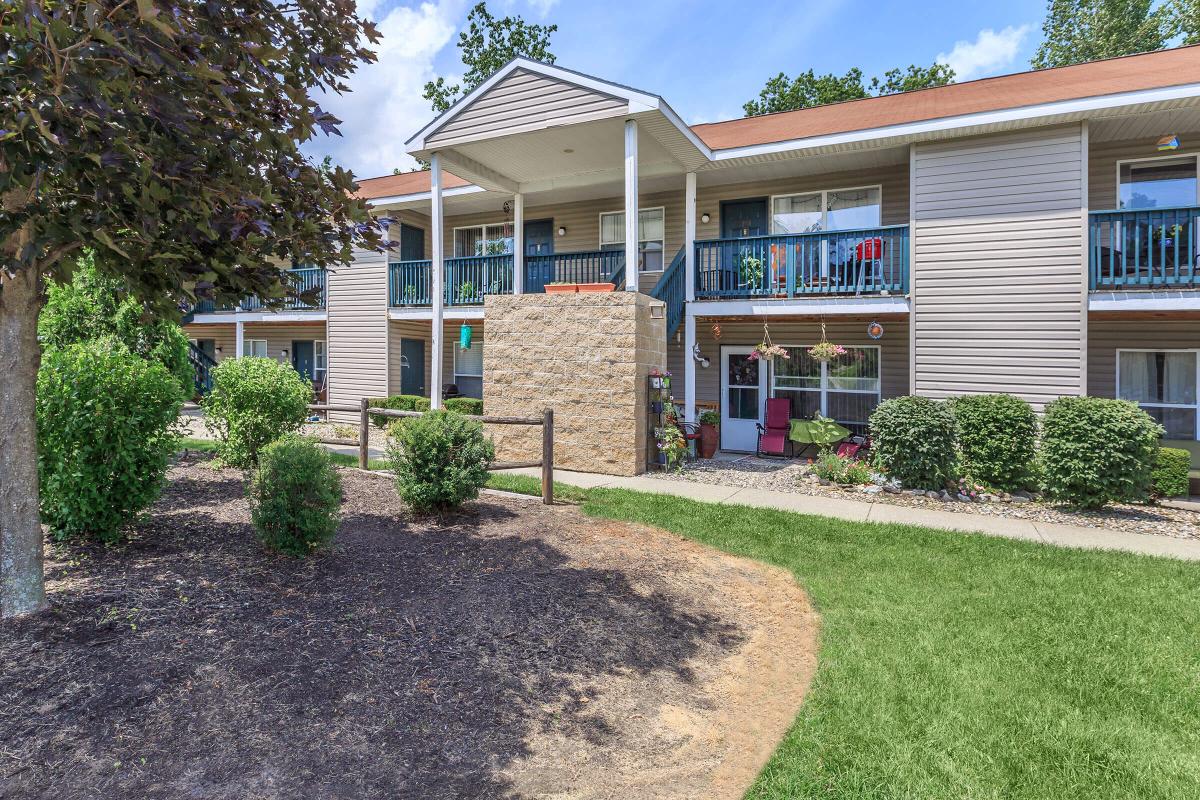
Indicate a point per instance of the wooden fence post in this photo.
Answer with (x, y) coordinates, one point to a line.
(364, 433)
(548, 456)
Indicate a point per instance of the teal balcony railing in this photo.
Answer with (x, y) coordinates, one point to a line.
(597, 266)
(671, 289)
(866, 261)
(306, 293)
(1145, 249)
(468, 280)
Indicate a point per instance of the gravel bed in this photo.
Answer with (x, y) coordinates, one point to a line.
(791, 476)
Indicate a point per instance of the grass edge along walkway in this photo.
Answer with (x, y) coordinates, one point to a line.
(960, 665)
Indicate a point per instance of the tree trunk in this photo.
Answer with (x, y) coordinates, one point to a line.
(22, 590)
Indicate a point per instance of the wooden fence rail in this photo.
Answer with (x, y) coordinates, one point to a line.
(546, 462)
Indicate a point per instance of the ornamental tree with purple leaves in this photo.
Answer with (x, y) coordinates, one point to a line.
(163, 135)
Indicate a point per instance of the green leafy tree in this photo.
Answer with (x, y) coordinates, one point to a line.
(1186, 18)
(92, 305)
(487, 45)
(164, 135)
(808, 89)
(1086, 30)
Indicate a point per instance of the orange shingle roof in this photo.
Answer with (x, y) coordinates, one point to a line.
(1112, 76)
(404, 183)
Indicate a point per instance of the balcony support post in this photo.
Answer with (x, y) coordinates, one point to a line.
(631, 205)
(239, 341)
(437, 293)
(689, 296)
(518, 243)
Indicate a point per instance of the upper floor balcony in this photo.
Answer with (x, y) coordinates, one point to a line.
(306, 292)
(1144, 249)
(865, 261)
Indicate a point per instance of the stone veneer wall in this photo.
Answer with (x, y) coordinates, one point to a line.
(584, 355)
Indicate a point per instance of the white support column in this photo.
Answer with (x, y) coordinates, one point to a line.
(631, 205)
(437, 273)
(518, 243)
(239, 346)
(689, 283)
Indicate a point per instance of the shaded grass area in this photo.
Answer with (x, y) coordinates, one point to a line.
(341, 459)
(527, 484)
(956, 665)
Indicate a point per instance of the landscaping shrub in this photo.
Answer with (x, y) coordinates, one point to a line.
(106, 421)
(465, 405)
(1097, 451)
(1169, 477)
(295, 496)
(253, 402)
(440, 460)
(997, 439)
(397, 402)
(913, 441)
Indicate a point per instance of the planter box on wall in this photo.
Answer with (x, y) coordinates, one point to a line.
(595, 287)
(562, 288)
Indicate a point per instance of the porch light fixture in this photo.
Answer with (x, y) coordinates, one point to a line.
(562, 230)
(217, 350)
(283, 353)
(705, 218)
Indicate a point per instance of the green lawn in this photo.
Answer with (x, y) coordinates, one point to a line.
(964, 666)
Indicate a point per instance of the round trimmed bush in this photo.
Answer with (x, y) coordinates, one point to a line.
(253, 402)
(912, 439)
(295, 496)
(106, 432)
(1097, 451)
(997, 439)
(470, 406)
(1169, 477)
(440, 460)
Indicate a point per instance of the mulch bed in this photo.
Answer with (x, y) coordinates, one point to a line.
(419, 658)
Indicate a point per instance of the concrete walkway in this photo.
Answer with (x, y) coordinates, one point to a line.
(858, 511)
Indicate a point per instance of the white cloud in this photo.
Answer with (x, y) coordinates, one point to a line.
(542, 6)
(990, 53)
(385, 106)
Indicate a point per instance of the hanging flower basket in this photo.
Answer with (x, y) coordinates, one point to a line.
(766, 351)
(826, 351)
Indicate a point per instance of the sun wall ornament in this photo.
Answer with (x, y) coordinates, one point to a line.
(875, 330)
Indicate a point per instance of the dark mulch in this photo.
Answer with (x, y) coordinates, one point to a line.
(417, 659)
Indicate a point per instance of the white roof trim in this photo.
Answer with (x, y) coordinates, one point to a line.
(1144, 301)
(412, 198)
(426, 313)
(318, 315)
(1017, 114)
(799, 306)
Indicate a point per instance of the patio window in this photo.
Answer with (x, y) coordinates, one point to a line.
(468, 370)
(833, 210)
(1164, 383)
(319, 364)
(846, 389)
(255, 347)
(1158, 183)
(483, 240)
(651, 233)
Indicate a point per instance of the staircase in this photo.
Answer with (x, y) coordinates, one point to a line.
(202, 363)
(671, 289)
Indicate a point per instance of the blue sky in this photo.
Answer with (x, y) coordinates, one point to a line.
(705, 58)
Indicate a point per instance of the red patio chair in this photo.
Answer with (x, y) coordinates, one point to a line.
(773, 437)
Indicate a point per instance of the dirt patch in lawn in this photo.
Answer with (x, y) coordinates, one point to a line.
(512, 650)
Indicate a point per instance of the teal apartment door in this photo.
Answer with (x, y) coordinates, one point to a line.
(302, 357)
(412, 366)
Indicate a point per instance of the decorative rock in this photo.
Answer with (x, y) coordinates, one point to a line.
(1019, 500)
(872, 489)
(917, 492)
(964, 498)
(945, 496)
(824, 481)
(891, 488)
(1022, 494)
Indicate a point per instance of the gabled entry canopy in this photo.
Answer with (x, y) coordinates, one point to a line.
(533, 126)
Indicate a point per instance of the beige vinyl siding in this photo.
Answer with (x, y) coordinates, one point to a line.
(1103, 158)
(1107, 335)
(280, 336)
(413, 329)
(223, 335)
(524, 101)
(998, 265)
(357, 331)
(893, 349)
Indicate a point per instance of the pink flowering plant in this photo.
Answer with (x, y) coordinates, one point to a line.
(767, 351)
(672, 444)
(826, 351)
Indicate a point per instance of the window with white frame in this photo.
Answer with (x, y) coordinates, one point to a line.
(484, 240)
(468, 370)
(255, 347)
(319, 362)
(831, 210)
(651, 236)
(1165, 182)
(846, 389)
(1165, 384)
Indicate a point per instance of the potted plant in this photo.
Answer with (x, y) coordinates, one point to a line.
(765, 351)
(750, 272)
(466, 292)
(410, 295)
(826, 351)
(596, 287)
(710, 433)
(672, 446)
(561, 287)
